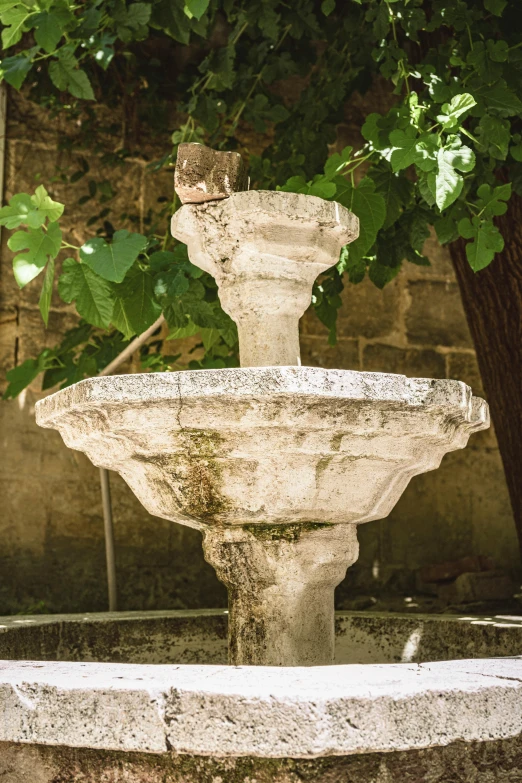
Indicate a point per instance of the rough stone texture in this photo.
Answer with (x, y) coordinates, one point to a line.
(200, 637)
(476, 762)
(265, 250)
(203, 174)
(51, 521)
(266, 712)
(350, 443)
(204, 448)
(281, 583)
(443, 572)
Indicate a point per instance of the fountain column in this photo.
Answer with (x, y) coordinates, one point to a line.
(281, 581)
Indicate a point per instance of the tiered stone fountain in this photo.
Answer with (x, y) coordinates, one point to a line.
(276, 464)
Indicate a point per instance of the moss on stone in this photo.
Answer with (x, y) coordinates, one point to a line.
(202, 479)
(291, 532)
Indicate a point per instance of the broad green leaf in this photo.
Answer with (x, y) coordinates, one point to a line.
(452, 111)
(22, 376)
(327, 7)
(31, 210)
(209, 337)
(492, 201)
(336, 163)
(15, 18)
(21, 209)
(487, 241)
(495, 7)
(49, 30)
(52, 210)
(196, 7)
(15, 69)
(93, 295)
(135, 308)
(37, 247)
(446, 183)
(44, 302)
(112, 261)
(138, 14)
(322, 188)
(494, 135)
(370, 208)
(381, 275)
(395, 189)
(498, 97)
(404, 153)
(66, 75)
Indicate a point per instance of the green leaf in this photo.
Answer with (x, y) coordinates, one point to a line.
(495, 7)
(370, 208)
(15, 69)
(381, 275)
(395, 189)
(492, 201)
(452, 111)
(138, 14)
(336, 163)
(66, 75)
(93, 295)
(15, 18)
(327, 7)
(498, 97)
(196, 8)
(22, 376)
(49, 30)
(113, 261)
(135, 308)
(487, 241)
(494, 135)
(44, 302)
(446, 183)
(404, 143)
(31, 210)
(37, 246)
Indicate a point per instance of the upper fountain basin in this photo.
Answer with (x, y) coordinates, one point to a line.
(279, 445)
(255, 231)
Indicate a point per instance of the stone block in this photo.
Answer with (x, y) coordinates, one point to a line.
(435, 315)
(444, 572)
(203, 174)
(369, 312)
(477, 587)
(315, 352)
(415, 363)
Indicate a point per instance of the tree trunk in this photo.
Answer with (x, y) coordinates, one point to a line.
(492, 300)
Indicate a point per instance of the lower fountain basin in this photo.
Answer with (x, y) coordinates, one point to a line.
(188, 718)
(270, 446)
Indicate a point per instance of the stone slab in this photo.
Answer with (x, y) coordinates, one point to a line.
(263, 712)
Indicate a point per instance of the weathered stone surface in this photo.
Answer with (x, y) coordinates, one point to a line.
(435, 315)
(473, 587)
(203, 174)
(265, 250)
(280, 712)
(205, 447)
(200, 637)
(281, 582)
(477, 762)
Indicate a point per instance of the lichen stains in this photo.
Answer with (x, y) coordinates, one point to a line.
(290, 533)
(201, 478)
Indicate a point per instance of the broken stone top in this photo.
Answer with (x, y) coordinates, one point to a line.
(264, 248)
(203, 174)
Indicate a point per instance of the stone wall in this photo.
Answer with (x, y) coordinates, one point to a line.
(51, 528)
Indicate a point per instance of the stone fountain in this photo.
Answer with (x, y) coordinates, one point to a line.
(276, 464)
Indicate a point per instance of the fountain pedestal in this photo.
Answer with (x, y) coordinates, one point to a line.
(281, 581)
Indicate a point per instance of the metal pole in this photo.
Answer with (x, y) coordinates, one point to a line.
(109, 539)
(104, 474)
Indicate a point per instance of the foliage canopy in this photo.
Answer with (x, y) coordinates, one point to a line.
(447, 153)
